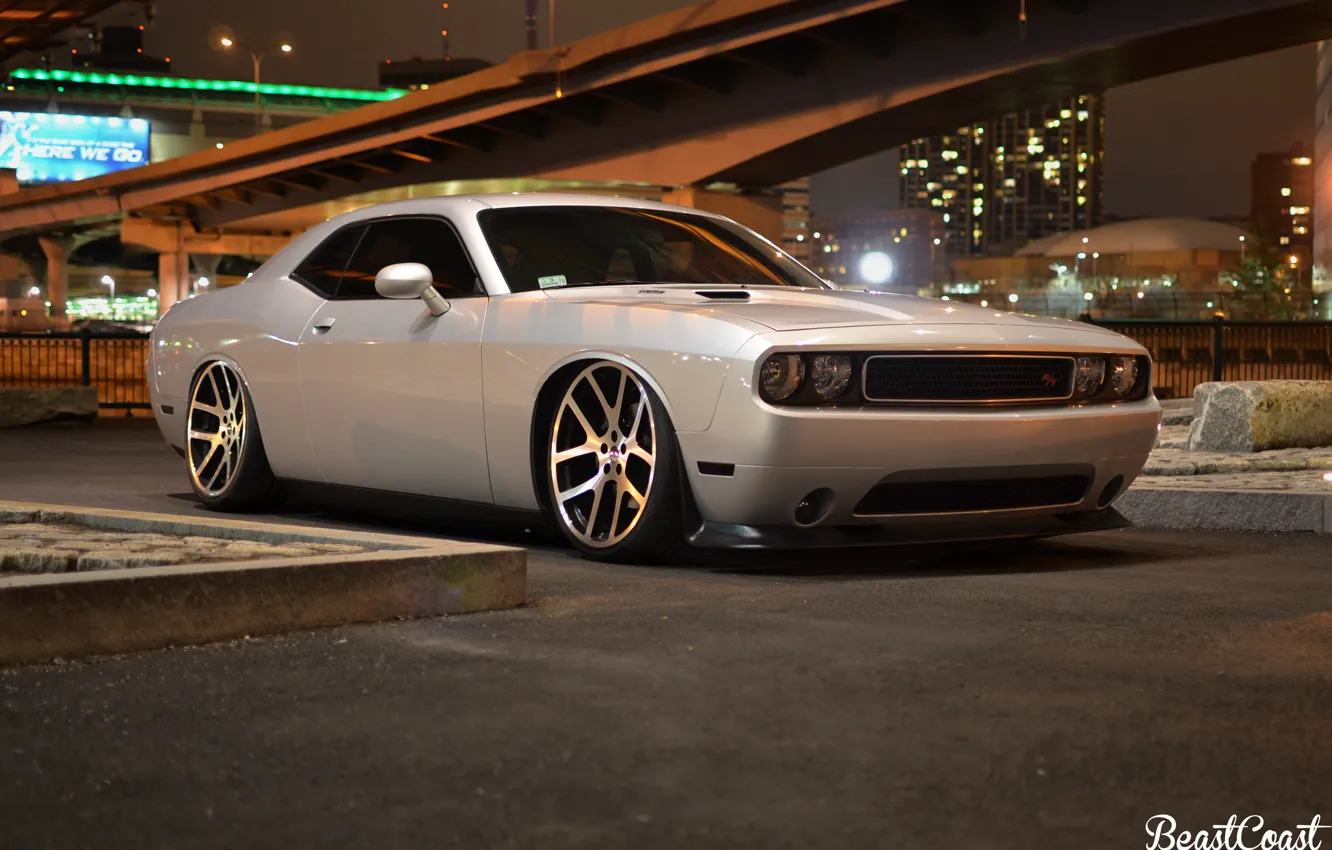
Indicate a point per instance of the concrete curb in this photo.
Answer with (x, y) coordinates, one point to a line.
(1227, 510)
(75, 615)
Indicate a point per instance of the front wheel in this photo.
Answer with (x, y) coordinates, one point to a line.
(611, 468)
(229, 470)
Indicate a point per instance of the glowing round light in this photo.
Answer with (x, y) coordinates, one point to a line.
(152, 293)
(107, 280)
(1087, 296)
(1012, 299)
(34, 292)
(876, 267)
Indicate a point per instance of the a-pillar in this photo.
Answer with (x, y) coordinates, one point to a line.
(206, 266)
(760, 213)
(56, 249)
(173, 279)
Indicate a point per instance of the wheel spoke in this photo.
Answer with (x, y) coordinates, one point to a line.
(596, 506)
(203, 435)
(210, 409)
(611, 420)
(581, 450)
(643, 454)
(632, 491)
(571, 404)
(580, 489)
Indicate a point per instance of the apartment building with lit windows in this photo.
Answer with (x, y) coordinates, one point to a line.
(1281, 200)
(1003, 182)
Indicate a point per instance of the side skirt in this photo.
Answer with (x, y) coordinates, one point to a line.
(412, 508)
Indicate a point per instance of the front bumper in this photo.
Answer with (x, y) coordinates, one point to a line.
(776, 456)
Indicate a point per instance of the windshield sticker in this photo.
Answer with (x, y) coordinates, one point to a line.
(552, 280)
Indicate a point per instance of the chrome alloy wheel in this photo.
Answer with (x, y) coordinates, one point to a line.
(603, 455)
(216, 429)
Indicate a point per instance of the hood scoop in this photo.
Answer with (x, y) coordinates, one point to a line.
(724, 294)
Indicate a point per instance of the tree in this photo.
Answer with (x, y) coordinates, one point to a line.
(1260, 283)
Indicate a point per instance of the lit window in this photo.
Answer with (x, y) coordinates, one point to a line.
(1285, 191)
(904, 231)
(979, 187)
(1300, 160)
(1065, 113)
(1052, 123)
(949, 155)
(1299, 210)
(1301, 230)
(961, 169)
(1083, 115)
(910, 163)
(947, 218)
(1010, 182)
(1285, 240)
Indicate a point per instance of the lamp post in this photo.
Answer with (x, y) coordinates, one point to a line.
(223, 40)
(108, 280)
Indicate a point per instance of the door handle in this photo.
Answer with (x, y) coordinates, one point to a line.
(323, 325)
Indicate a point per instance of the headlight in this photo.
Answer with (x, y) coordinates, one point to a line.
(781, 376)
(1123, 375)
(831, 374)
(1090, 376)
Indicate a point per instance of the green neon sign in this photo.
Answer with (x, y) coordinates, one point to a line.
(239, 86)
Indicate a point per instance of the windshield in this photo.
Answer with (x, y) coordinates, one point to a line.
(551, 247)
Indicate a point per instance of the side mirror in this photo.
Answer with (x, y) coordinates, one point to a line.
(411, 280)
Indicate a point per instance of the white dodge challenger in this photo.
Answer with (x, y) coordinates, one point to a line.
(645, 377)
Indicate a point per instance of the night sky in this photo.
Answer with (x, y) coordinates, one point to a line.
(1177, 145)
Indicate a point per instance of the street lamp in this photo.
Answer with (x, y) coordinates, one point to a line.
(108, 280)
(223, 40)
(34, 292)
(200, 283)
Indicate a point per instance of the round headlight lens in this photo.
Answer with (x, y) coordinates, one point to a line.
(781, 376)
(1090, 375)
(1123, 375)
(831, 374)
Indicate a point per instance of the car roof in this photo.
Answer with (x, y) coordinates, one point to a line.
(471, 204)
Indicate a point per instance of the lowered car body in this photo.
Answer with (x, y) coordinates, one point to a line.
(584, 379)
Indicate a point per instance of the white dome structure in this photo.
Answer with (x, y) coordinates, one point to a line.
(1141, 235)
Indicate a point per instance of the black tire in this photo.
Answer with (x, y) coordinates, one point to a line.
(657, 533)
(249, 484)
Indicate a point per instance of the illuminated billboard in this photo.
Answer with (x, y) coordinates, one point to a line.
(46, 148)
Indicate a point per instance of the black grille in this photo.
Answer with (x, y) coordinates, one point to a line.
(995, 494)
(962, 378)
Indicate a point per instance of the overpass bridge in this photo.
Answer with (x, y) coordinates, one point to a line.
(744, 92)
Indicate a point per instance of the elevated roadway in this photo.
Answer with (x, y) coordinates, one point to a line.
(743, 92)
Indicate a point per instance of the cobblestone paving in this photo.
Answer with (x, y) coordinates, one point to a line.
(1171, 459)
(49, 548)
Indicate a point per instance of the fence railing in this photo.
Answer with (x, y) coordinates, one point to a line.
(115, 363)
(1185, 354)
(1188, 353)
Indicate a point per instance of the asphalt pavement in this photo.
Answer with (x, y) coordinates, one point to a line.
(1045, 695)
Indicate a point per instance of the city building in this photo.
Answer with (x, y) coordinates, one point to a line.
(1002, 182)
(1170, 268)
(894, 250)
(1281, 199)
(795, 218)
(1321, 261)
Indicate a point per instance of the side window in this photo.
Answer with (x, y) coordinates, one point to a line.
(326, 264)
(429, 241)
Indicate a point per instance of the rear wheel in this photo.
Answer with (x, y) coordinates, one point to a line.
(611, 468)
(229, 470)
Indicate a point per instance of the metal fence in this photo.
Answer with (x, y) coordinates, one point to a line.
(115, 363)
(1188, 353)
(1185, 354)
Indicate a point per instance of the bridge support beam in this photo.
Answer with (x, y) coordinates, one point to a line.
(57, 250)
(173, 279)
(761, 213)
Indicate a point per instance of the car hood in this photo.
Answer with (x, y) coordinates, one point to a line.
(781, 308)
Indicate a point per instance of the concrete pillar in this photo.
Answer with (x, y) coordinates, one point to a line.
(760, 213)
(173, 279)
(205, 265)
(57, 251)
